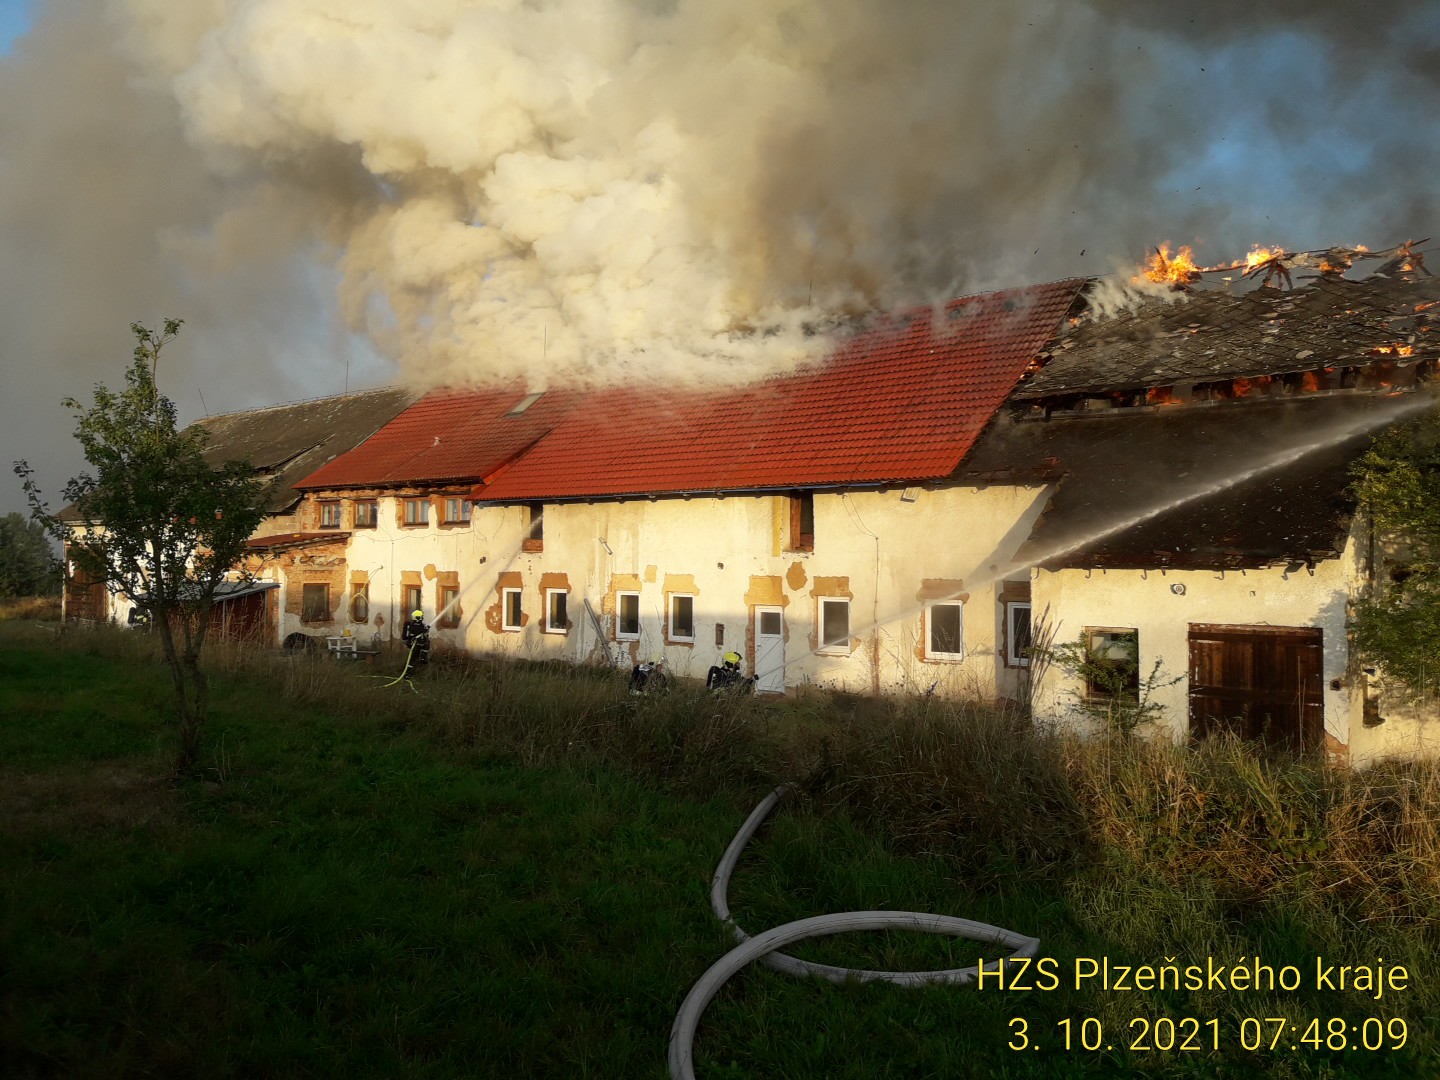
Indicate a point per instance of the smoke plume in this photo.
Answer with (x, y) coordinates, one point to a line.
(595, 190)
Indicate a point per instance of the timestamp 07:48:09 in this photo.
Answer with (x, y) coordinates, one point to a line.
(1165, 1034)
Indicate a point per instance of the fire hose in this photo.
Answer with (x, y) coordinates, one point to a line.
(764, 947)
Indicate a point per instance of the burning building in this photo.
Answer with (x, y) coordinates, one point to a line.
(910, 516)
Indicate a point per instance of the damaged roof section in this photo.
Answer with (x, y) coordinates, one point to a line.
(285, 443)
(1198, 336)
(1117, 468)
(901, 400)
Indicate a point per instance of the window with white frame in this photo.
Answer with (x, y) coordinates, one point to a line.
(944, 631)
(834, 625)
(1017, 633)
(627, 616)
(557, 615)
(682, 617)
(510, 609)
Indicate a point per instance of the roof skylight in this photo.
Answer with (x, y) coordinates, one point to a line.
(525, 403)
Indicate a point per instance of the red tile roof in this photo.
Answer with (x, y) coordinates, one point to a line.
(904, 401)
(445, 436)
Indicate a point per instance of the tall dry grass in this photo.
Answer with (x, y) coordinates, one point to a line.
(975, 783)
(35, 608)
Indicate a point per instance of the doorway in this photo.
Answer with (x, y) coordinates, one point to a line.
(769, 650)
(1262, 683)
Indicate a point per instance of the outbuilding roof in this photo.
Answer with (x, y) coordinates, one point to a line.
(1227, 486)
(287, 442)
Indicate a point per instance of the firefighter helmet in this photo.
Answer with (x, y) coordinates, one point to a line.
(417, 614)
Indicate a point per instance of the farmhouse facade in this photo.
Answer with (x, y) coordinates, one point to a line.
(910, 516)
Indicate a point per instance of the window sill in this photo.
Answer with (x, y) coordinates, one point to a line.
(627, 637)
(945, 658)
(359, 526)
(511, 629)
(835, 650)
(556, 633)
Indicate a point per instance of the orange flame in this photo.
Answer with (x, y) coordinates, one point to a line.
(1395, 350)
(1164, 268)
(1259, 256)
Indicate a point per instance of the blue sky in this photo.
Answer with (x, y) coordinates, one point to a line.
(14, 21)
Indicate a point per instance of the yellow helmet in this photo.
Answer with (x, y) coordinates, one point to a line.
(732, 658)
(417, 614)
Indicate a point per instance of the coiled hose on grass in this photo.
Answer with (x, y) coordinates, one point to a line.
(764, 946)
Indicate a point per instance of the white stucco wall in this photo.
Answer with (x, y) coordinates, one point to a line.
(1072, 600)
(884, 546)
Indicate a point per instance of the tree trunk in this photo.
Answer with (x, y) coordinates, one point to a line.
(192, 719)
(189, 730)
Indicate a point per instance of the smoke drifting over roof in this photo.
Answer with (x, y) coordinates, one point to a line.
(608, 189)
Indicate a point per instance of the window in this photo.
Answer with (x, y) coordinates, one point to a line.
(447, 610)
(627, 616)
(417, 512)
(330, 515)
(366, 514)
(525, 403)
(834, 625)
(682, 617)
(414, 600)
(1017, 633)
(510, 610)
(534, 515)
(1112, 670)
(944, 639)
(556, 616)
(360, 603)
(315, 603)
(802, 522)
(457, 510)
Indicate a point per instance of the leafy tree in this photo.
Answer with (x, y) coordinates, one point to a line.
(158, 523)
(1397, 482)
(27, 566)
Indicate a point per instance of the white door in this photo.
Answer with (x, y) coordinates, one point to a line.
(769, 650)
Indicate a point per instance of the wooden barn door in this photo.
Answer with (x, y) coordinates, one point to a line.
(85, 597)
(1259, 682)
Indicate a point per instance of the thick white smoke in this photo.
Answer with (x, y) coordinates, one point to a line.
(611, 188)
(649, 189)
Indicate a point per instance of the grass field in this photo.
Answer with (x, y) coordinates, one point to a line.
(361, 885)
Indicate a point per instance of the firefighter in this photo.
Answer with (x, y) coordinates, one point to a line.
(727, 674)
(416, 634)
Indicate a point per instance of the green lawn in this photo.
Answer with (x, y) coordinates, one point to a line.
(345, 897)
